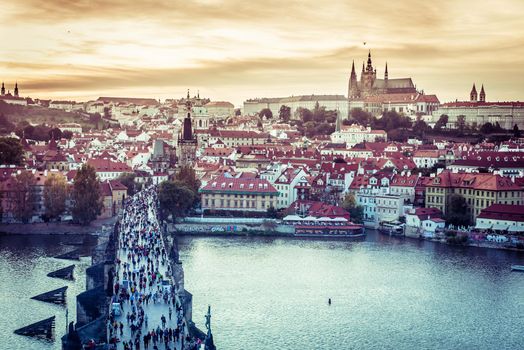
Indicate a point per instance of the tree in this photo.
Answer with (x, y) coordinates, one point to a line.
(128, 180)
(187, 176)
(95, 119)
(461, 123)
(271, 212)
(266, 113)
(441, 122)
(86, 196)
(175, 199)
(304, 114)
(11, 151)
(516, 131)
(5, 125)
(457, 213)
(487, 128)
(284, 113)
(420, 128)
(24, 196)
(55, 133)
(41, 133)
(349, 202)
(55, 194)
(356, 212)
(67, 134)
(360, 116)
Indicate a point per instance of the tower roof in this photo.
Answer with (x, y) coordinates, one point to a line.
(474, 89)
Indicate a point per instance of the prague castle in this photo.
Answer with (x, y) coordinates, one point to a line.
(370, 85)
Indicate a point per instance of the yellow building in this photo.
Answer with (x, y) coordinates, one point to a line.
(239, 194)
(478, 189)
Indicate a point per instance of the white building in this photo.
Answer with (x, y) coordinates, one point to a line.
(353, 134)
(330, 102)
(507, 114)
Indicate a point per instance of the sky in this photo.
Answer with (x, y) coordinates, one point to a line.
(235, 50)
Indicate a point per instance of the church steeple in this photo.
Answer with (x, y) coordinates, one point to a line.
(473, 94)
(16, 89)
(3, 89)
(482, 96)
(337, 124)
(386, 73)
(369, 66)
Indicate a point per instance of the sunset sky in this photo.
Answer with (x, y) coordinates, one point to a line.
(234, 50)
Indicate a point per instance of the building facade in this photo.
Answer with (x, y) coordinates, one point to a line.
(239, 194)
(479, 190)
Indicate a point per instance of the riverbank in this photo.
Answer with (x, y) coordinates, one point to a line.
(199, 231)
(58, 228)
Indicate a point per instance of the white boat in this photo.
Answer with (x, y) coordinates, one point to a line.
(392, 228)
(517, 267)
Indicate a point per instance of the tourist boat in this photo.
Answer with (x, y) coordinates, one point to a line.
(517, 268)
(339, 231)
(391, 228)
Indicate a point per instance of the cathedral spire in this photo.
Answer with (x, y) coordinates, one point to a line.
(16, 89)
(386, 72)
(3, 89)
(369, 66)
(482, 96)
(473, 94)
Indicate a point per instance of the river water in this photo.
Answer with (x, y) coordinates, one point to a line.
(25, 261)
(387, 293)
(272, 293)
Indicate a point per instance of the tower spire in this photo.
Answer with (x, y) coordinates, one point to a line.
(3, 89)
(482, 96)
(473, 94)
(16, 89)
(369, 67)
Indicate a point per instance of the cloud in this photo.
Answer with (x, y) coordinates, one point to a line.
(261, 47)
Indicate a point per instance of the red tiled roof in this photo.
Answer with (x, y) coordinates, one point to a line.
(239, 185)
(477, 181)
(103, 165)
(503, 212)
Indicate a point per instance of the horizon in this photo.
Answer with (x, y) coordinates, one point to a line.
(232, 51)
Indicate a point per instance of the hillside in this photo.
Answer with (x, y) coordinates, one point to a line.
(43, 115)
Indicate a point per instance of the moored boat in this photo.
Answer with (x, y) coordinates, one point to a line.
(391, 228)
(517, 268)
(343, 231)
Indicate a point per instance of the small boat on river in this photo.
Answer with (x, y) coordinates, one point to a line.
(517, 268)
(391, 228)
(338, 231)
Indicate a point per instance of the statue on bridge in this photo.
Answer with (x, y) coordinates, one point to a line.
(210, 345)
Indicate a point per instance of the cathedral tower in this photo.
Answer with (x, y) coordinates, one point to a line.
(3, 89)
(473, 94)
(482, 96)
(353, 88)
(187, 143)
(16, 89)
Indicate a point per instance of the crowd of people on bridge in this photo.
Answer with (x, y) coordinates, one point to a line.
(146, 310)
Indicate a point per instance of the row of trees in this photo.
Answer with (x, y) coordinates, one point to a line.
(11, 151)
(86, 200)
(178, 196)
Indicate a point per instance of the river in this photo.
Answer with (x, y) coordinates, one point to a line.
(387, 293)
(272, 293)
(25, 260)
